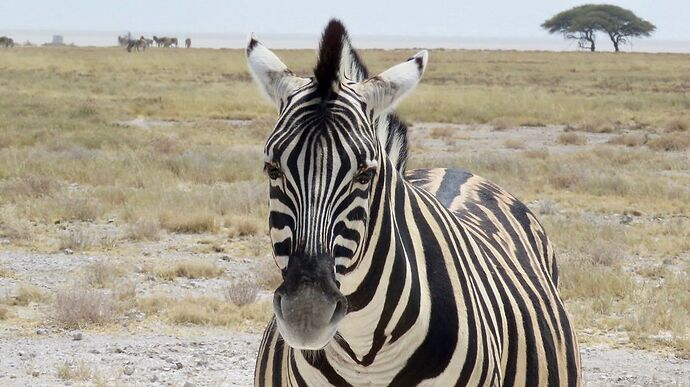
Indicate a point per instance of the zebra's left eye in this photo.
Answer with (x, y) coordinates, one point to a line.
(364, 177)
(272, 171)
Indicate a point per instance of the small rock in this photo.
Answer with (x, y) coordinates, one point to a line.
(225, 258)
(35, 374)
(111, 220)
(188, 384)
(42, 331)
(128, 370)
(77, 336)
(153, 378)
(69, 251)
(178, 365)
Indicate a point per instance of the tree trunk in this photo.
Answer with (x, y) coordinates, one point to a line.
(615, 40)
(591, 47)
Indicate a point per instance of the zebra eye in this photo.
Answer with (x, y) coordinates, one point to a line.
(365, 176)
(272, 171)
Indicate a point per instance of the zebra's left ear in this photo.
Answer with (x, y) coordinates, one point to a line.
(275, 80)
(385, 91)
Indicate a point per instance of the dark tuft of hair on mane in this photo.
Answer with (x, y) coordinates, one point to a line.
(330, 51)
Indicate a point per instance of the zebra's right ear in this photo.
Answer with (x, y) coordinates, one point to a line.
(275, 80)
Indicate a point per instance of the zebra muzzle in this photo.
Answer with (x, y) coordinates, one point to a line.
(308, 305)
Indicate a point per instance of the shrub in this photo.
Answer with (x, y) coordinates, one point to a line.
(570, 138)
(144, 229)
(27, 294)
(78, 306)
(514, 143)
(242, 292)
(502, 123)
(675, 141)
(678, 125)
(629, 140)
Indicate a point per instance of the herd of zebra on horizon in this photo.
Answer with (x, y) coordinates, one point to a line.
(142, 43)
(6, 42)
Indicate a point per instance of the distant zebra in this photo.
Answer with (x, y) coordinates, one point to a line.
(394, 277)
(123, 40)
(6, 42)
(137, 45)
(165, 41)
(188, 42)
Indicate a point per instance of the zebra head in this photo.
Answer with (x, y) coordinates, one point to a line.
(324, 159)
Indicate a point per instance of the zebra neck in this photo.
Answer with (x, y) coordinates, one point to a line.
(385, 296)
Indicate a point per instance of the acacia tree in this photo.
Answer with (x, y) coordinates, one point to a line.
(581, 23)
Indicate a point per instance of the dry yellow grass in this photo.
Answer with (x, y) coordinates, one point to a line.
(102, 274)
(206, 311)
(674, 141)
(570, 138)
(4, 312)
(502, 123)
(188, 222)
(144, 229)
(75, 371)
(681, 124)
(629, 140)
(514, 143)
(27, 294)
(245, 225)
(200, 268)
(7, 273)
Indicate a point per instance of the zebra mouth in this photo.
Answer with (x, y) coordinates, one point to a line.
(308, 319)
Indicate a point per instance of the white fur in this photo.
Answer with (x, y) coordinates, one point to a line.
(385, 91)
(274, 78)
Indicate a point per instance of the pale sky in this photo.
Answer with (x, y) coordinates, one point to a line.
(463, 18)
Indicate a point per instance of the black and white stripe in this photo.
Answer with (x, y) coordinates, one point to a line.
(447, 278)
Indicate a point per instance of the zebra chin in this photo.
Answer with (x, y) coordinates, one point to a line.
(308, 304)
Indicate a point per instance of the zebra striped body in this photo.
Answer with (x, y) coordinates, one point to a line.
(446, 278)
(496, 314)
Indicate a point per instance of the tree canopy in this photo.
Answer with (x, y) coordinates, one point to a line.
(583, 22)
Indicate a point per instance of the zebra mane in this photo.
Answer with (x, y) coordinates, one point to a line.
(330, 51)
(337, 58)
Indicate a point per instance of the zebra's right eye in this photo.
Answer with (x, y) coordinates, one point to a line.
(272, 171)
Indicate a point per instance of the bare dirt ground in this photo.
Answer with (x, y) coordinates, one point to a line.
(136, 350)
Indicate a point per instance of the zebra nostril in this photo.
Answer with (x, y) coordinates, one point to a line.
(277, 305)
(340, 310)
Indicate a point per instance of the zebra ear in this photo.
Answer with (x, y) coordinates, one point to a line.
(275, 80)
(383, 92)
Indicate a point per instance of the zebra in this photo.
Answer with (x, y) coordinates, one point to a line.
(188, 42)
(394, 277)
(158, 41)
(137, 44)
(6, 42)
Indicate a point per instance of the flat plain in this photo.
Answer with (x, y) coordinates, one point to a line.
(133, 243)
